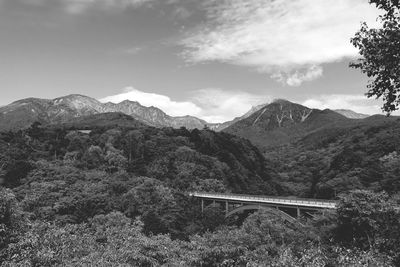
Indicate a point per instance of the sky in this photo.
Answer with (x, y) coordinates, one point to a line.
(213, 59)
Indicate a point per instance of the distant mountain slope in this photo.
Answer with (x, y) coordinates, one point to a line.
(345, 112)
(351, 114)
(282, 122)
(153, 116)
(109, 119)
(21, 114)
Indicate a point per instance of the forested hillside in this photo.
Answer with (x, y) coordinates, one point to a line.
(179, 157)
(337, 159)
(71, 175)
(115, 192)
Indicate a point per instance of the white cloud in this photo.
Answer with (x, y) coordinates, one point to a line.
(297, 77)
(212, 105)
(173, 108)
(278, 35)
(357, 103)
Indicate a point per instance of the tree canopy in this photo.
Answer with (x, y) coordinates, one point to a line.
(380, 51)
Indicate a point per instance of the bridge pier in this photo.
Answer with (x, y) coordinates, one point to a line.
(298, 212)
(202, 206)
(226, 207)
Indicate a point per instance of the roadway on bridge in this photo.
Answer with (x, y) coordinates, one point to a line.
(294, 202)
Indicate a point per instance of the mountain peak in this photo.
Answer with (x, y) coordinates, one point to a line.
(281, 101)
(127, 101)
(74, 96)
(78, 105)
(283, 121)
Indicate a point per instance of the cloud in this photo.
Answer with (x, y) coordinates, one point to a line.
(212, 105)
(278, 35)
(357, 103)
(173, 108)
(297, 77)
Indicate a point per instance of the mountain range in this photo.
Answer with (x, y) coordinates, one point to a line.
(22, 113)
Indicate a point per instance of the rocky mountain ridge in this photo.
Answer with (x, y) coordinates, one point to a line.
(22, 113)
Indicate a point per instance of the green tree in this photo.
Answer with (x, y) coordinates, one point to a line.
(106, 240)
(380, 51)
(391, 172)
(11, 219)
(369, 220)
(93, 157)
(156, 204)
(115, 161)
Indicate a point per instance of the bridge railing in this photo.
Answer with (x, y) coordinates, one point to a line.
(272, 199)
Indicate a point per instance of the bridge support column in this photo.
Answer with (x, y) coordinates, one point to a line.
(202, 205)
(298, 212)
(226, 207)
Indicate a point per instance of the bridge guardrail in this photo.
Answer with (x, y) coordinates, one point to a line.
(298, 201)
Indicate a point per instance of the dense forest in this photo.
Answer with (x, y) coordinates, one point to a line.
(332, 160)
(112, 196)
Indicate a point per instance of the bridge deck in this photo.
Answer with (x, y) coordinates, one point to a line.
(295, 202)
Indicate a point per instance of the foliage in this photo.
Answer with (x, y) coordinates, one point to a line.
(71, 176)
(116, 197)
(369, 220)
(331, 161)
(106, 240)
(12, 220)
(380, 51)
(115, 240)
(185, 160)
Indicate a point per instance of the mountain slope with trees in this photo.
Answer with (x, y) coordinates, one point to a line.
(337, 159)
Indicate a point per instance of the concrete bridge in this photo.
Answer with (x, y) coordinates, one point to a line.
(289, 208)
